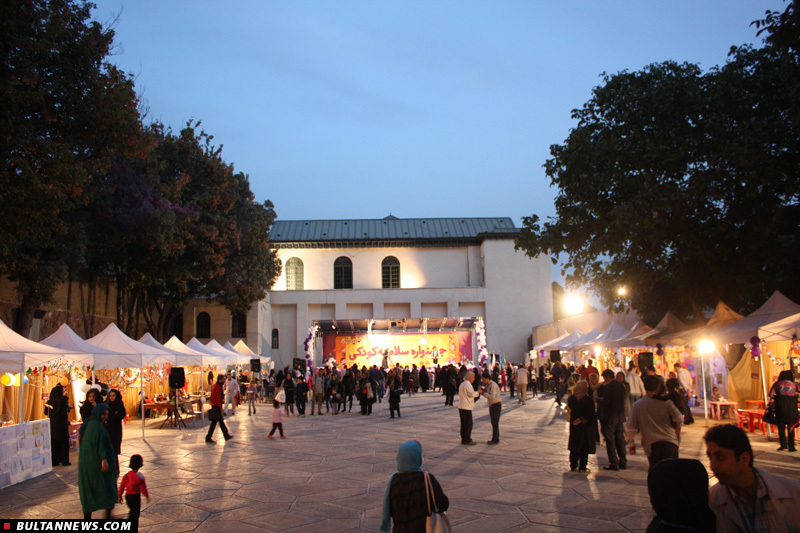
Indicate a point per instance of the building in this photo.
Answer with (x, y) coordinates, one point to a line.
(390, 276)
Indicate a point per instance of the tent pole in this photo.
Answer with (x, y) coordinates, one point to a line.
(22, 392)
(202, 392)
(764, 386)
(141, 397)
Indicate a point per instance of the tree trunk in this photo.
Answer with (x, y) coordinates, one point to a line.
(27, 306)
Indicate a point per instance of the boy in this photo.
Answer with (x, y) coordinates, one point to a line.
(134, 484)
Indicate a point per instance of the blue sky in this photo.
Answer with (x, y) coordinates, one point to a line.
(420, 109)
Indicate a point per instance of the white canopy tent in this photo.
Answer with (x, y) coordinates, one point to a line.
(722, 316)
(18, 353)
(581, 341)
(781, 330)
(564, 343)
(776, 308)
(669, 325)
(614, 332)
(234, 356)
(640, 328)
(552, 342)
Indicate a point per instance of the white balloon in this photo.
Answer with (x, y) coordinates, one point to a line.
(96, 386)
(85, 388)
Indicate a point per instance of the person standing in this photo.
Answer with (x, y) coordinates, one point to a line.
(231, 391)
(277, 419)
(581, 441)
(288, 389)
(97, 465)
(449, 384)
(215, 413)
(612, 420)
(491, 391)
(349, 388)
(252, 394)
(521, 381)
(116, 415)
(559, 380)
(57, 410)
(301, 397)
(133, 485)
(318, 389)
(686, 390)
(634, 380)
(466, 403)
(659, 422)
(783, 396)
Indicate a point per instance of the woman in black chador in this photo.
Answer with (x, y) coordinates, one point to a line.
(57, 410)
(581, 427)
(116, 414)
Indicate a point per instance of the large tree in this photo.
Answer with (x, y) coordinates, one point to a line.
(64, 112)
(681, 185)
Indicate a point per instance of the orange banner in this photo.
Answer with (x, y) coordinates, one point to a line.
(404, 348)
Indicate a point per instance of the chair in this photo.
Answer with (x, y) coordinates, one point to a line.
(742, 419)
(187, 408)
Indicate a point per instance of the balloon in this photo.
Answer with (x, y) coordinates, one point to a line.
(96, 386)
(754, 340)
(64, 382)
(755, 351)
(690, 368)
(659, 351)
(5, 380)
(85, 388)
(25, 379)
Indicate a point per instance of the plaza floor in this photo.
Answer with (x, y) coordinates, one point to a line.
(331, 471)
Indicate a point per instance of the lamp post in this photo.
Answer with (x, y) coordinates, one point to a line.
(706, 347)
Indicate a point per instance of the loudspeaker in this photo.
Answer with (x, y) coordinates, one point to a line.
(177, 379)
(255, 366)
(645, 360)
(555, 355)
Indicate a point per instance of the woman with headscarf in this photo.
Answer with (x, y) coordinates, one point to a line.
(783, 396)
(57, 410)
(116, 414)
(424, 379)
(88, 404)
(405, 502)
(678, 491)
(582, 421)
(97, 465)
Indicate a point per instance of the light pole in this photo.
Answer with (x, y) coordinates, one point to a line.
(705, 347)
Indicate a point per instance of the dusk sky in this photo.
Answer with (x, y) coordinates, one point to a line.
(419, 109)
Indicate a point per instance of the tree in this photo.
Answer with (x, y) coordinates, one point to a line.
(681, 185)
(64, 112)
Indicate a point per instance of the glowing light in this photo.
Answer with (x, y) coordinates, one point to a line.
(573, 304)
(705, 347)
(622, 291)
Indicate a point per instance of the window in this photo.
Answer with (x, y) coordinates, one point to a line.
(203, 326)
(275, 342)
(343, 273)
(390, 273)
(176, 327)
(239, 326)
(294, 274)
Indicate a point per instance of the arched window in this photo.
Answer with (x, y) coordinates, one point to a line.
(203, 326)
(239, 326)
(294, 274)
(275, 339)
(176, 327)
(343, 273)
(390, 273)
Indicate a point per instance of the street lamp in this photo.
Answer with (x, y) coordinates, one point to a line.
(573, 304)
(705, 347)
(622, 292)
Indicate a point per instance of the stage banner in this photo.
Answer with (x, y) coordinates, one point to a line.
(405, 348)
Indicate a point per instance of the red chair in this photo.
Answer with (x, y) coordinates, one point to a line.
(742, 419)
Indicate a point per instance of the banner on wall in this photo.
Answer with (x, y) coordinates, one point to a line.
(405, 348)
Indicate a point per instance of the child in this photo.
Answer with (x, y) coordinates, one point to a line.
(252, 393)
(134, 484)
(277, 419)
(394, 399)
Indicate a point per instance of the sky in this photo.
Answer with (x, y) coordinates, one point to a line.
(419, 109)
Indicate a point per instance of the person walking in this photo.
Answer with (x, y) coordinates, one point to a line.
(277, 419)
(215, 414)
(783, 397)
(634, 380)
(405, 501)
(466, 403)
(133, 486)
(252, 394)
(491, 391)
(231, 391)
(116, 415)
(57, 410)
(581, 441)
(659, 422)
(612, 420)
(97, 465)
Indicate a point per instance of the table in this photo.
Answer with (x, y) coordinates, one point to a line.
(754, 415)
(716, 408)
(754, 404)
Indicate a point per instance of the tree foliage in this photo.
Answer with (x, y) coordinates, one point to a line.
(681, 185)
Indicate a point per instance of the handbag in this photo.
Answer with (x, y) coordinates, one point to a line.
(437, 522)
(281, 396)
(214, 414)
(770, 416)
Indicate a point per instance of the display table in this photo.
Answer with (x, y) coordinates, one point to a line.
(716, 408)
(24, 452)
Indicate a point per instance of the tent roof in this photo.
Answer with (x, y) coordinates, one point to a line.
(722, 316)
(132, 353)
(17, 352)
(614, 332)
(564, 343)
(777, 307)
(640, 328)
(782, 330)
(175, 357)
(66, 339)
(241, 347)
(670, 324)
(546, 345)
(582, 340)
(11, 341)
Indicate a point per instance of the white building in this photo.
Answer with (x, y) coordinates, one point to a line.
(393, 274)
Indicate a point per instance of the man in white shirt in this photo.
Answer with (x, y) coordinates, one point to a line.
(231, 390)
(685, 379)
(466, 403)
(521, 381)
(491, 391)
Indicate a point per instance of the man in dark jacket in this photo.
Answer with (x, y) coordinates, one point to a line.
(612, 420)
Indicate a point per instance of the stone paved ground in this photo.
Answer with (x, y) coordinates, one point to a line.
(331, 472)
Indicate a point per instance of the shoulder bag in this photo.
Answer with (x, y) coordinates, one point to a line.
(437, 522)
